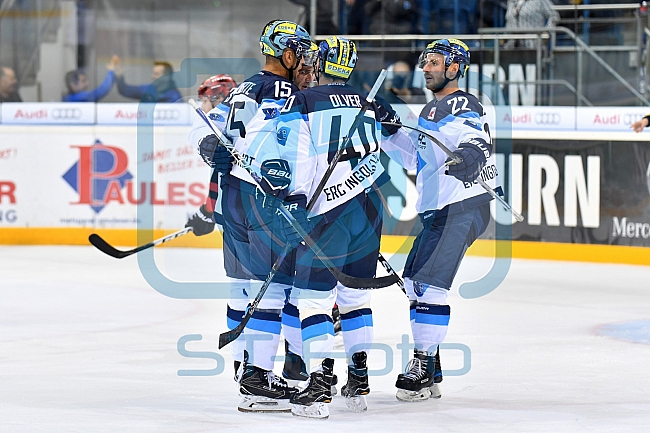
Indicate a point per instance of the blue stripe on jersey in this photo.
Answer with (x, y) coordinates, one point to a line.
(356, 319)
(432, 314)
(317, 329)
(428, 124)
(421, 163)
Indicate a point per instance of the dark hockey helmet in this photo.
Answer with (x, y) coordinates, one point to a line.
(454, 51)
(216, 87)
(337, 57)
(278, 35)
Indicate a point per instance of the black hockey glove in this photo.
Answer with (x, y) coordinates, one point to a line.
(474, 154)
(384, 112)
(215, 155)
(297, 206)
(276, 177)
(201, 222)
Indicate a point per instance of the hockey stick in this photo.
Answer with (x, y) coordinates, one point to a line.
(457, 160)
(103, 246)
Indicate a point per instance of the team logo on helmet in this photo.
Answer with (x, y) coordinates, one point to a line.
(454, 51)
(278, 35)
(338, 57)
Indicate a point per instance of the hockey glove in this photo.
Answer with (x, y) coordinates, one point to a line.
(296, 204)
(201, 222)
(276, 177)
(384, 112)
(474, 154)
(215, 155)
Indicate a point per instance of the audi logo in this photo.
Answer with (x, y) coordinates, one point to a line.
(66, 114)
(548, 118)
(166, 114)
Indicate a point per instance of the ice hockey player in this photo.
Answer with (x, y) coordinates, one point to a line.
(250, 109)
(345, 221)
(453, 208)
(214, 90)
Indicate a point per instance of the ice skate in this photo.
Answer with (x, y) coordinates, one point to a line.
(357, 386)
(263, 391)
(437, 376)
(294, 371)
(311, 402)
(414, 384)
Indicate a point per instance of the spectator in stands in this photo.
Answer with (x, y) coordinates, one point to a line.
(77, 85)
(524, 14)
(399, 85)
(397, 17)
(8, 85)
(356, 17)
(163, 88)
(324, 13)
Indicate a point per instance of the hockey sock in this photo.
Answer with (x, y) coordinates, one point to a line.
(291, 328)
(262, 335)
(317, 336)
(430, 326)
(356, 326)
(237, 305)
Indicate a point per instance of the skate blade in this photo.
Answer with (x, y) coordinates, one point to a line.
(302, 384)
(263, 404)
(435, 391)
(315, 411)
(413, 396)
(356, 403)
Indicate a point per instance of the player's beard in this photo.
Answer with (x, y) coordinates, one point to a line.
(437, 82)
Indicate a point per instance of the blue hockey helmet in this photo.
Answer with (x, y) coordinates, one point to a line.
(454, 51)
(338, 57)
(278, 35)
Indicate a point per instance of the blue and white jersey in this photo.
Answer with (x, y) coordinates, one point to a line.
(455, 119)
(250, 109)
(312, 125)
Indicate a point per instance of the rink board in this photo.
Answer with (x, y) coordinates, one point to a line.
(578, 175)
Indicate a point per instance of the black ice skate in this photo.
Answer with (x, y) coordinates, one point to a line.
(437, 376)
(357, 385)
(310, 402)
(414, 383)
(262, 390)
(294, 370)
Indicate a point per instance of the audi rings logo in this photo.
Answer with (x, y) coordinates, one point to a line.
(630, 118)
(548, 118)
(166, 114)
(66, 114)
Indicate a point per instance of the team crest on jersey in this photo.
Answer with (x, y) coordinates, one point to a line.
(432, 113)
(283, 134)
(270, 113)
(216, 117)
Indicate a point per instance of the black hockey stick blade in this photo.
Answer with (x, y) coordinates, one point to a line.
(230, 336)
(103, 246)
(106, 248)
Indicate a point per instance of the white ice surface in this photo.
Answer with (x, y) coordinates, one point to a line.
(86, 345)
